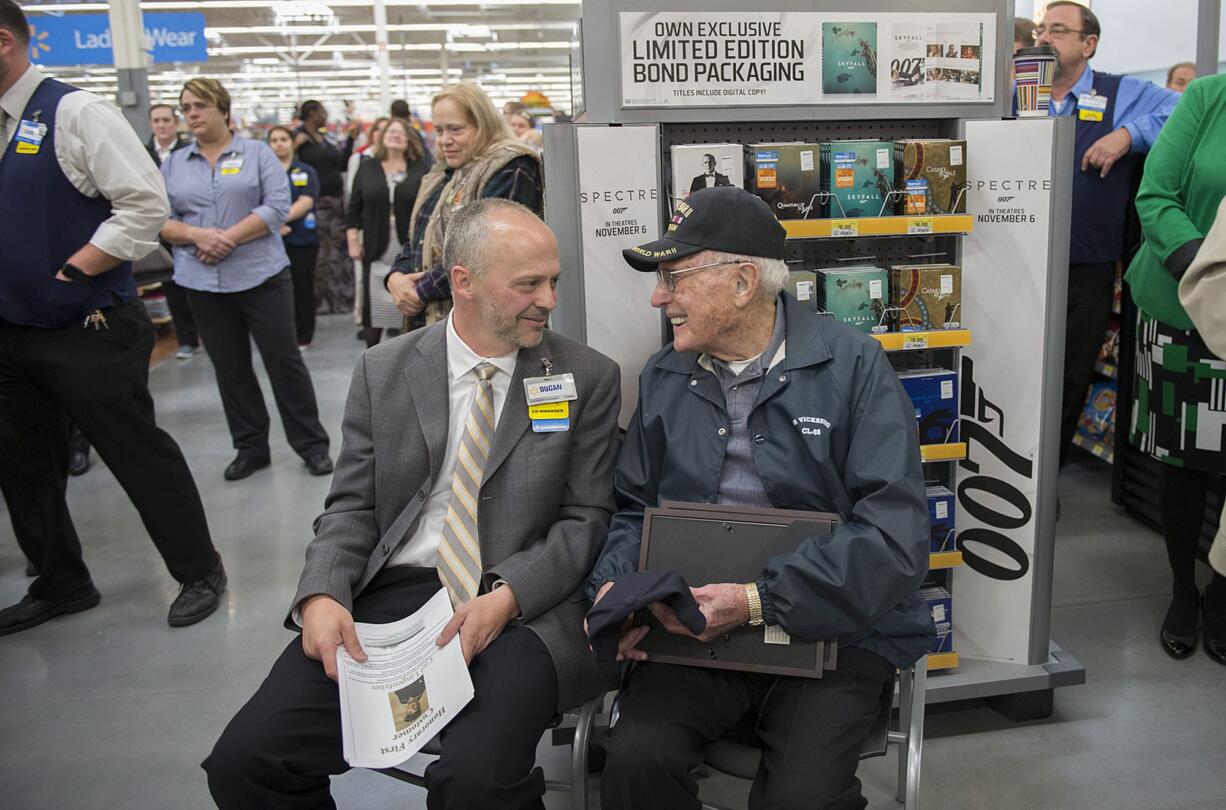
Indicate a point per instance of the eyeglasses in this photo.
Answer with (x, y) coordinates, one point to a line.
(669, 277)
(1056, 30)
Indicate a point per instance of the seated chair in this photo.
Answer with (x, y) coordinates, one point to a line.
(738, 755)
(578, 784)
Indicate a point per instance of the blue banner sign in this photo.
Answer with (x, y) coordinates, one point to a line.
(85, 39)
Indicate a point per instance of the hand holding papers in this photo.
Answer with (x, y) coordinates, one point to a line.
(407, 689)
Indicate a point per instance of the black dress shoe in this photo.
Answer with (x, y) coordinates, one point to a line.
(78, 461)
(244, 466)
(30, 612)
(319, 464)
(1179, 645)
(197, 600)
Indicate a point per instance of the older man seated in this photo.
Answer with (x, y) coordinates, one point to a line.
(719, 420)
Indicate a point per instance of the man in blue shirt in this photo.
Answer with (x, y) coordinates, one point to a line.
(1118, 119)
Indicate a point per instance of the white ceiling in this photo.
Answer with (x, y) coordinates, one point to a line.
(272, 54)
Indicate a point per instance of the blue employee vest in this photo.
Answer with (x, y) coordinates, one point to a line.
(1100, 204)
(43, 224)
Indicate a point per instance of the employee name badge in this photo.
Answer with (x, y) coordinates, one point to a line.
(549, 401)
(29, 137)
(1091, 106)
(231, 165)
(298, 178)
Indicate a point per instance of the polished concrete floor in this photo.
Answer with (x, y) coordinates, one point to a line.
(113, 709)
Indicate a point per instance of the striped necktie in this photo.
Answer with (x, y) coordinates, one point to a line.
(4, 134)
(459, 553)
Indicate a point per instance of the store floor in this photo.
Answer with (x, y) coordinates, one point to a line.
(113, 709)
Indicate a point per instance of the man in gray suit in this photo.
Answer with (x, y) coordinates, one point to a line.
(416, 482)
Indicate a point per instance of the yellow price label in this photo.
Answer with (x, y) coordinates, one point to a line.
(916, 341)
(844, 227)
(919, 225)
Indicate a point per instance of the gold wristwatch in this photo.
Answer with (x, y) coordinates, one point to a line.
(755, 604)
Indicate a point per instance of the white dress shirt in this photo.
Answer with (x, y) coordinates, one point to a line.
(99, 153)
(421, 549)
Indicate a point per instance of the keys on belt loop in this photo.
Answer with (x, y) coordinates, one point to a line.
(97, 320)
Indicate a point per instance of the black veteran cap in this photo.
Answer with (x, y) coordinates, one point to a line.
(724, 218)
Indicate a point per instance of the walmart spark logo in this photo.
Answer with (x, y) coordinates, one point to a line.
(38, 43)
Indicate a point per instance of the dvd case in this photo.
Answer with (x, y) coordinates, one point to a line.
(859, 177)
(705, 165)
(933, 174)
(787, 177)
(925, 297)
(856, 296)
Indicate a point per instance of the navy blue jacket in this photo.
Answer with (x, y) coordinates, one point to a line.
(833, 432)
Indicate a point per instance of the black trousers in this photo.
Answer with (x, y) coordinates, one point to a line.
(181, 315)
(228, 322)
(1090, 287)
(100, 380)
(811, 733)
(302, 272)
(280, 749)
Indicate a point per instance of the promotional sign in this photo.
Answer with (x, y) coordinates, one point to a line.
(85, 39)
(619, 207)
(1004, 293)
(709, 59)
(700, 59)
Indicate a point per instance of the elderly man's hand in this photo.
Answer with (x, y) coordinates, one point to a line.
(628, 643)
(1108, 149)
(725, 607)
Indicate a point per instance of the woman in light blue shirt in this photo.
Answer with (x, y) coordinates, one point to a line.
(229, 198)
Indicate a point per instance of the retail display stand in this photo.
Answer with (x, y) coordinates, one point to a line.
(609, 187)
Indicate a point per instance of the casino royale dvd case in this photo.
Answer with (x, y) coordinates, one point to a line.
(926, 297)
(932, 175)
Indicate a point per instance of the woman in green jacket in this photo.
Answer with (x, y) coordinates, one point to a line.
(1179, 410)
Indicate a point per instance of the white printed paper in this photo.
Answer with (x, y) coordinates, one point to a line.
(874, 289)
(947, 389)
(774, 634)
(406, 692)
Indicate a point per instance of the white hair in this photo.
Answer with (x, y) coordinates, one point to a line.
(772, 273)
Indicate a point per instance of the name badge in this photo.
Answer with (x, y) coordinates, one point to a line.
(29, 137)
(1091, 106)
(298, 178)
(232, 165)
(555, 388)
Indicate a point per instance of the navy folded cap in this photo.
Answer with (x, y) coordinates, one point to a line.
(636, 591)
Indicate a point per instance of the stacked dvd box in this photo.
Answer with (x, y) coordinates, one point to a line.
(924, 297)
(856, 296)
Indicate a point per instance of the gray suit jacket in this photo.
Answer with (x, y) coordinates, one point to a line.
(544, 503)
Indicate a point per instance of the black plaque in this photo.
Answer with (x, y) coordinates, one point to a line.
(707, 544)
